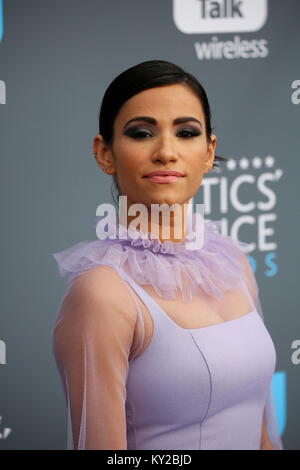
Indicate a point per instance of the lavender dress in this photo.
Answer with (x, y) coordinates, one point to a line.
(202, 388)
(206, 387)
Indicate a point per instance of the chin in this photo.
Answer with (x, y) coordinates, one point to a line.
(165, 200)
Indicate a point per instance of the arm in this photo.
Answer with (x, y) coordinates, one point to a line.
(92, 339)
(265, 443)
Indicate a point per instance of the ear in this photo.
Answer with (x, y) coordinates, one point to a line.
(103, 155)
(210, 157)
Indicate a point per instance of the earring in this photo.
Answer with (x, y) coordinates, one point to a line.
(108, 170)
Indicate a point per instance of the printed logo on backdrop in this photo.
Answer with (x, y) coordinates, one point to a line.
(223, 16)
(247, 193)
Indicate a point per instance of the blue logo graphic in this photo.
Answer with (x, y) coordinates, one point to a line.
(1, 20)
(279, 393)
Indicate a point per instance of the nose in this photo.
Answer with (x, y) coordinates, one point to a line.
(165, 150)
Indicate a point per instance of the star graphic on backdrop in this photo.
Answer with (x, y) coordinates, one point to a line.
(256, 162)
(244, 163)
(269, 161)
(231, 164)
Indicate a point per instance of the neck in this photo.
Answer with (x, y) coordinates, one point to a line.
(167, 225)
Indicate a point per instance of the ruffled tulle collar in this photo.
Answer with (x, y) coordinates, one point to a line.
(150, 241)
(170, 267)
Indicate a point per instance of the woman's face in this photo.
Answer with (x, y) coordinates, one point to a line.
(140, 147)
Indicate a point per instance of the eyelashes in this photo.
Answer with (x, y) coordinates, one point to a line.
(142, 134)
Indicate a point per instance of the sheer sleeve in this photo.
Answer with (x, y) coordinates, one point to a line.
(269, 415)
(93, 338)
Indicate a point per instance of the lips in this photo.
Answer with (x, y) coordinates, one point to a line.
(164, 173)
(164, 176)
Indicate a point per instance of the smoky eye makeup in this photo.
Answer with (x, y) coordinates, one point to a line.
(192, 131)
(136, 131)
(140, 132)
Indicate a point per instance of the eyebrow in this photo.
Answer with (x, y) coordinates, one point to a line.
(150, 120)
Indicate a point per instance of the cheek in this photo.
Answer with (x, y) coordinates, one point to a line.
(196, 169)
(127, 162)
(196, 163)
(132, 162)
(128, 170)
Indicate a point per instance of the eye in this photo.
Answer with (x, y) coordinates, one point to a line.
(137, 133)
(189, 132)
(186, 132)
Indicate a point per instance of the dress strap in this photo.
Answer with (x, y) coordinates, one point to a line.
(154, 309)
(144, 296)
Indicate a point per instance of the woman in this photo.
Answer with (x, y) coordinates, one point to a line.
(159, 345)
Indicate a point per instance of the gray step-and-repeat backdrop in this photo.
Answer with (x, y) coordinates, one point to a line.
(56, 59)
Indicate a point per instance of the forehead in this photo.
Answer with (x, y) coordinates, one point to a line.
(164, 102)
